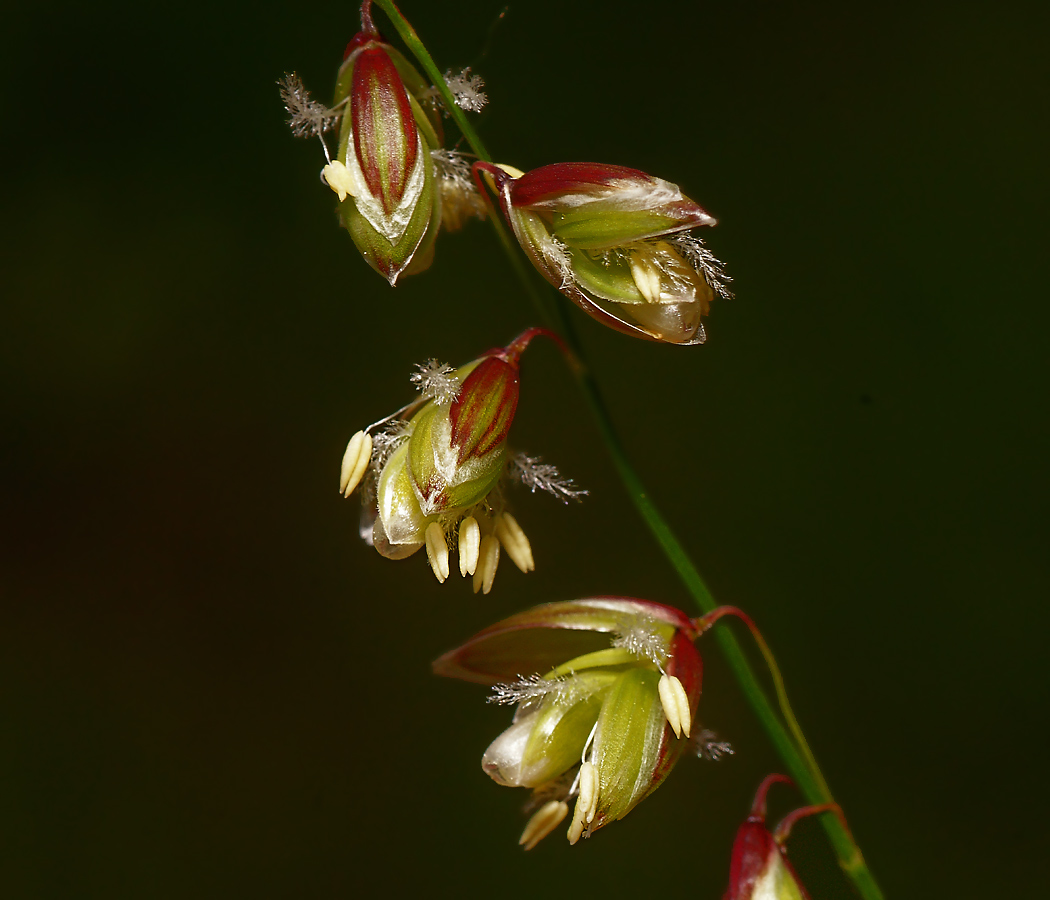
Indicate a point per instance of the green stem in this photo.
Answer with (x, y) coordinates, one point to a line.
(800, 762)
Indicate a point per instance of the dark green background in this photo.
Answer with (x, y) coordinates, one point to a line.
(210, 688)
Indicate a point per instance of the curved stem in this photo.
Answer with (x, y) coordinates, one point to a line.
(804, 770)
(758, 807)
(367, 25)
(515, 348)
(705, 622)
(783, 830)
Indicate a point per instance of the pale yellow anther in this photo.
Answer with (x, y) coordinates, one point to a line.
(515, 542)
(646, 277)
(437, 551)
(588, 791)
(576, 826)
(355, 462)
(488, 560)
(543, 822)
(469, 545)
(337, 177)
(676, 705)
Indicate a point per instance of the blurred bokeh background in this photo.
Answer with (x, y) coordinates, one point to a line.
(210, 688)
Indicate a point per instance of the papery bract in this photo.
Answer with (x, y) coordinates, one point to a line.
(397, 185)
(590, 719)
(444, 467)
(386, 138)
(432, 471)
(613, 240)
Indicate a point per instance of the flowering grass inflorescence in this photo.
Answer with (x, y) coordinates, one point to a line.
(395, 182)
(605, 689)
(616, 242)
(433, 473)
(604, 713)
